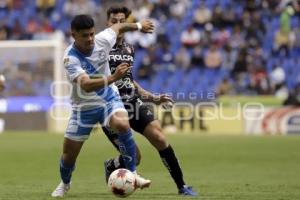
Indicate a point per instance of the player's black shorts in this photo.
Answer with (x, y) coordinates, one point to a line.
(140, 115)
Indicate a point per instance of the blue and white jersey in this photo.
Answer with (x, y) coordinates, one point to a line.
(95, 65)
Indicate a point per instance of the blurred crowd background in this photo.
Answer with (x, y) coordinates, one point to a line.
(200, 47)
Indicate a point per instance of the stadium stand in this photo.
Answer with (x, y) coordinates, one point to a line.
(253, 44)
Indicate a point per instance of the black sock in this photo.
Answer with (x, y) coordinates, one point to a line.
(170, 161)
(115, 163)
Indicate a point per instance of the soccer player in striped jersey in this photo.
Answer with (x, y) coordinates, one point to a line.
(95, 98)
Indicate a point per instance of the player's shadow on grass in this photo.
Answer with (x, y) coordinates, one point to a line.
(136, 195)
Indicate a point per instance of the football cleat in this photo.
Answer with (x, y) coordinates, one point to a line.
(187, 191)
(141, 182)
(107, 169)
(61, 190)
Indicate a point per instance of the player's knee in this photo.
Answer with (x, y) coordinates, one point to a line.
(157, 128)
(159, 137)
(122, 126)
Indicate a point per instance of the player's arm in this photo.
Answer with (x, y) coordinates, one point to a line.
(148, 96)
(92, 84)
(106, 39)
(145, 26)
(76, 74)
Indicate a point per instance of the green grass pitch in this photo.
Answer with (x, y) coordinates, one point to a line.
(219, 167)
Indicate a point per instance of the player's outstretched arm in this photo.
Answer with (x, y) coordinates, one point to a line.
(92, 84)
(145, 26)
(148, 96)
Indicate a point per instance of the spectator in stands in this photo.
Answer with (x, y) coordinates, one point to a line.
(142, 10)
(241, 85)
(256, 57)
(190, 37)
(284, 38)
(145, 70)
(282, 43)
(5, 5)
(285, 19)
(213, 57)
(76, 7)
(164, 57)
(277, 78)
(197, 58)
(237, 38)
(277, 81)
(17, 31)
(255, 29)
(32, 27)
(17, 5)
(297, 38)
(4, 32)
(240, 66)
(252, 5)
(161, 10)
(45, 7)
(178, 8)
(217, 16)
(222, 36)
(229, 17)
(225, 88)
(228, 57)
(259, 82)
(202, 15)
(207, 35)
(44, 31)
(182, 59)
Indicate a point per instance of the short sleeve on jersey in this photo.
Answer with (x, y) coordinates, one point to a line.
(73, 67)
(106, 38)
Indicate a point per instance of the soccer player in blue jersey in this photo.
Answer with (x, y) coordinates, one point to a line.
(141, 117)
(95, 98)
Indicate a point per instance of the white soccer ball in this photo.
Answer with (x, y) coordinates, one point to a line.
(122, 182)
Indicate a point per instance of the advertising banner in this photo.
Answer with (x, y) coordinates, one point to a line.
(274, 121)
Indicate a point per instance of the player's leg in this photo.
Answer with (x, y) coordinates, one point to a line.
(119, 123)
(153, 132)
(78, 131)
(146, 124)
(115, 163)
(113, 138)
(112, 164)
(71, 150)
(118, 120)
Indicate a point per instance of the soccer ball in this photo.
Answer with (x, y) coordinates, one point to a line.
(122, 182)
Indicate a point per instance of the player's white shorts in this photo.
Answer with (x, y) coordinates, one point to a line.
(81, 123)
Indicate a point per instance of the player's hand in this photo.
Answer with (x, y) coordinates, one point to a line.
(165, 100)
(147, 26)
(121, 71)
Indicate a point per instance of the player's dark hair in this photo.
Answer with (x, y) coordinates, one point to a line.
(117, 9)
(80, 22)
